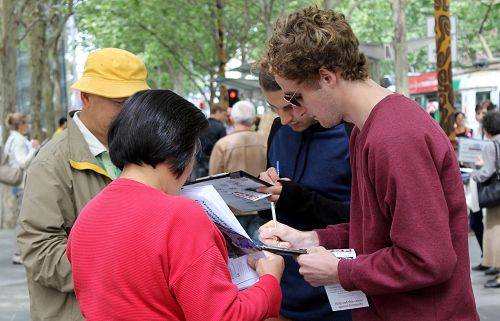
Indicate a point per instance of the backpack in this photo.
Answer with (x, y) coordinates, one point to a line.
(9, 175)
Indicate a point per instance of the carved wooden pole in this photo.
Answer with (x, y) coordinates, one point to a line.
(444, 76)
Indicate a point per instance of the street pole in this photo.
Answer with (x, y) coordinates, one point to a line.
(444, 74)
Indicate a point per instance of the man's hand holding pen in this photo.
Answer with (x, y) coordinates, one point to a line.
(271, 176)
(285, 236)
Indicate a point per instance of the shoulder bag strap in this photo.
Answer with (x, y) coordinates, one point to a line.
(497, 165)
(6, 149)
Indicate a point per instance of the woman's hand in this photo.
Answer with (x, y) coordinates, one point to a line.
(35, 144)
(269, 264)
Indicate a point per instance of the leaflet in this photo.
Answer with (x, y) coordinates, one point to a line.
(241, 273)
(237, 239)
(339, 298)
(218, 211)
(469, 150)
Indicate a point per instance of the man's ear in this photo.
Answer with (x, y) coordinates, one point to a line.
(84, 97)
(327, 77)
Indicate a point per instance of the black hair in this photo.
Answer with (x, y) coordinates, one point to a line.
(491, 122)
(155, 126)
(62, 120)
(267, 81)
(458, 113)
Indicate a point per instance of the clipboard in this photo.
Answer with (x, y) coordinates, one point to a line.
(237, 189)
(281, 250)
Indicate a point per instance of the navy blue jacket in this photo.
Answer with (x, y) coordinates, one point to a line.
(317, 162)
(216, 131)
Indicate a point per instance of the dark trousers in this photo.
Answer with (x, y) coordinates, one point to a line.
(476, 224)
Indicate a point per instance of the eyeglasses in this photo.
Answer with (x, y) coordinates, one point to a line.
(291, 98)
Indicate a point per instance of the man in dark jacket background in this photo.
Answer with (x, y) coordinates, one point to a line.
(216, 130)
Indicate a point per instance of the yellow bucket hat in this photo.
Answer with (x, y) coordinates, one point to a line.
(112, 73)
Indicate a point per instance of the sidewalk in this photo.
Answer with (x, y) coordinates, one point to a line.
(487, 300)
(14, 300)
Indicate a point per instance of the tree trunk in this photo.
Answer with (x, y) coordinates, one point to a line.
(221, 56)
(58, 13)
(330, 4)
(10, 17)
(443, 54)
(8, 79)
(177, 77)
(400, 47)
(38, 60)
(211, 83)
(243, 35)
(266, 9)
(48, 96)
(56, 78)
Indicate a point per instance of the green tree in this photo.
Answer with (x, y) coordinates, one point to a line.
(11, 15)
(179, 40)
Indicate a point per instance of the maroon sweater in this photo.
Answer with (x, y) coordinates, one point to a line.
(408, 220)
(140, 254)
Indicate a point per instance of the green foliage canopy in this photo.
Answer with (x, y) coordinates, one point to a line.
(177, 39)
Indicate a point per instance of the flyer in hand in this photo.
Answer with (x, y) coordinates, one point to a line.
(339, 298)
(218, 211)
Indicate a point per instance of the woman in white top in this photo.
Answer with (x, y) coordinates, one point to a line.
(491, 236)
(20, 152)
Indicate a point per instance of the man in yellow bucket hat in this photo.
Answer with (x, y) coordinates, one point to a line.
(69, 171)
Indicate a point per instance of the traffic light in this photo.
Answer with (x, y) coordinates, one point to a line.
(233, 96)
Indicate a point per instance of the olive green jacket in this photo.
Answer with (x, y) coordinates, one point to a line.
(62, 178)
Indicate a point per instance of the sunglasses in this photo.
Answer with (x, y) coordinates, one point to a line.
(291, 98)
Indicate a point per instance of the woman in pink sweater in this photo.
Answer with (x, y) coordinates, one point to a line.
(139, 251)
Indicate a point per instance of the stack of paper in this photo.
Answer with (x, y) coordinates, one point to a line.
(241, 273)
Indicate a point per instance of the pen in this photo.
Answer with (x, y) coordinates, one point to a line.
(273, 207)
(273, 212)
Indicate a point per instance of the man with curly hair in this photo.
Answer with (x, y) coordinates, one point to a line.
(408, 213)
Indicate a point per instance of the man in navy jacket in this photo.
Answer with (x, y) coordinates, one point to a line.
(313, 197)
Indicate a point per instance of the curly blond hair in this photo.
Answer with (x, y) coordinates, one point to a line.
(312, 38)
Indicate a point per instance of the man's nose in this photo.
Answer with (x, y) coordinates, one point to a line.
(299, 111)
(286, 117)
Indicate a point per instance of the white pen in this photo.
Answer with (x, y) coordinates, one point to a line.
(273, 212)
(273, 207)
